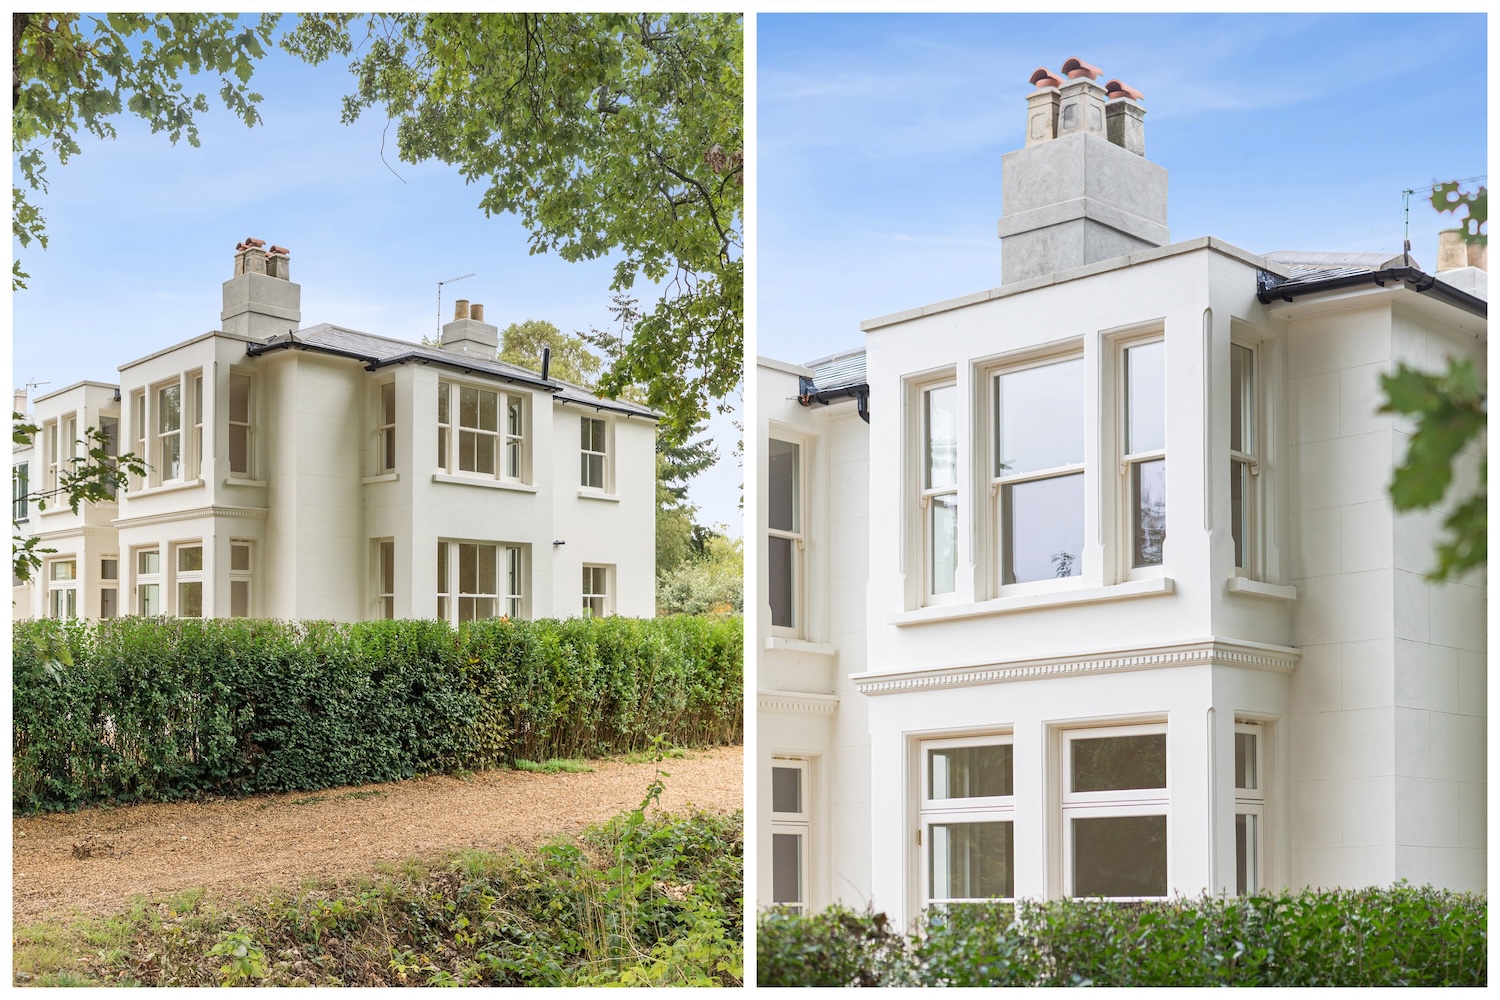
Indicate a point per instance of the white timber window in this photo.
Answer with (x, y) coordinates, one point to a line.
(1114, 812)
(138, 425)
(593, 454)
(967, 830)
(595, 591)
(49, 437)
(241, 429)
(791, 823)
(1249, 808)
(515, 438)
(62, 588)
(939, 498)
(190, 580)
(479, 580)
(1038, 475)
(476, 444)
(168, 446)
(197, 459)
(109, 587)
(1143, 461)
(386, 431)
(20, 492)
(239, 579)
(385, 578)
(68, 459)
(109, 427)
(785, 544)
(1244, 461)
(148, 582)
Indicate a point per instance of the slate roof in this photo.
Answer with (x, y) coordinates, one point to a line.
(838, 371)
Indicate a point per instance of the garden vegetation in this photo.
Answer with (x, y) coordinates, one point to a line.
(162, 709)
(1397, 936)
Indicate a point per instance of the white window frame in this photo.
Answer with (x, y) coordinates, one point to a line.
(794, 824)
(1251, 802)
(20, 492)
(1109, 804)
(385, 427)
(50, 438)
(248, 425)
(510, 579)
(588, 426)
(144, 579)
(385, 579)
(513, 437)
(597, 592)
(111, 446)
(510, 451)
(109, 583)
(1250, 458)
(245, 576)
(192, 468)
(160, 435)
(62, 591)
(182, 576)
(929, 495)
(950, 811)
(1128, 461)
(999, 481)
(797, 536)
(138, 430)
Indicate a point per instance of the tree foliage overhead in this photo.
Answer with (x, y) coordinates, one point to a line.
(1450, 197)
(71, 75)
(572, 361)
(605, 133)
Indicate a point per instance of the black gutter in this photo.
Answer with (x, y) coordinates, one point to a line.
(375, 364)
(808, 394)
(1269, 287)
(256, 350)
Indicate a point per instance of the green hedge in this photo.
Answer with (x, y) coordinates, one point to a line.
(1398, 936)
(156, 709)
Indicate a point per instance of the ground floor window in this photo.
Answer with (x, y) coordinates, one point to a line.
(790, 832)
(967, 826)
(1249, 808)
(477, 580)
(1114, 812)
(148, 582)
(190, 580)
(595, 591)
(239, 579)
(385, 575)
(62, 588)
(109, 587)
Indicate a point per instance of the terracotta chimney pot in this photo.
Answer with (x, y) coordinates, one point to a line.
(1075, 67)
(476, 312)
(1043, 77)
(1117, 89)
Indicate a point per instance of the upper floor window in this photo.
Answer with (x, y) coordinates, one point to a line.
(168, 432)
(240, 450)
(109, 429)
(197, 460)
(592, 453)
(939, 460)
(1114, 811)
(50, 436)
(784, 526)
(138, 422)
(1038, 476)
(968, 819)
(1143, 460)
(20, 492)
(62, 588)
(476, 443)
(1244, 463)
(387, 429)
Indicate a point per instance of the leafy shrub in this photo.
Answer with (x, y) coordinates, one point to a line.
(138, 709)
(837, 947)
(1397, 936)
(712, 584)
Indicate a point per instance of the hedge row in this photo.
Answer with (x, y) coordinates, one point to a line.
(156, 709)
(1398, 936)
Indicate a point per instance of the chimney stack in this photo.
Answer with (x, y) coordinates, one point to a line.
(20, 401)
(1081, 189)
(1451, 251)
(260, 299)
(469, 333)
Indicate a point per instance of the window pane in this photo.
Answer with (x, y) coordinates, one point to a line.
(190, 599)
(1246, 853)
(1120, 856)
(468, 406)
(109, 603)
(239, 398)
(387, 567)
(445, 389)
(781, 579)
(239, 598)
(171, 458)
(1111, 763)
(1043, 530)
(970, 772)
(786, 868)
(786, 789)
(388, 403)
(513, 416)
(190, 558)
(513, 578)
(466, 609)
(239, 558)
(1245, 762)
(65, 569)
(1145, 428)
(972, 861)
(442, 569)
(169, 408)
(109, 569)
(148, 563)
(1041, 418)
(940, 419)
(239, 449)
(150, 599)
(782, 509)
(487, 570)
(1239, 514)
(1148, 490)
(484, 456)
(468, 569)
(944, 544)
(442, 448)
(513, 459)
(489, 413)
(1241, 399)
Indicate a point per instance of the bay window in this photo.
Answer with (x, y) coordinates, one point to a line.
(1038, 475)
(967, 822)
(62, 588)
(148, 582)
(477, 580)
(240, 451)
(1244, 465)
(1114, 812)
(784, 528)
(190, 581)
(385, 579)
(109, 428)
(939, 500)
(109, 587)
(1143, 452)
(476, 444)
(239, 579)
(20, 492)
(1249, 808)
(168, 432)
(197, 458)
(790, 832)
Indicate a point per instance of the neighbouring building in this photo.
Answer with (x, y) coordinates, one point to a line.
(1089, 584)
(327, 473)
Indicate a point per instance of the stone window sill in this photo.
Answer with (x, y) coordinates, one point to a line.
(588, 494)
(1255, 588)
(384, 477)
(255, 484)
(188, 484)
(1034, 602)
(491, 484)
(801, 646)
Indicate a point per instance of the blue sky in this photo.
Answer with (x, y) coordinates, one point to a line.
(143, 234)
(880, 136)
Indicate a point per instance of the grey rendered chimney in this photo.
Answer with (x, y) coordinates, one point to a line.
(261, 300)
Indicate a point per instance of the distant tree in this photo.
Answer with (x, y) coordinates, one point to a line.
(712, 583)
(1450, 197)
(572, 361)
(607, 134)
(71, 77)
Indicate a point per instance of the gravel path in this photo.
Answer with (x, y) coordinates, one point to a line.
(95, 860)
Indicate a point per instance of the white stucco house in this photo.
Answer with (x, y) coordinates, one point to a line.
(327, 473)
(1089, 584)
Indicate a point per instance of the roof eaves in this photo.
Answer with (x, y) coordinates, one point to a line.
(1269, 288)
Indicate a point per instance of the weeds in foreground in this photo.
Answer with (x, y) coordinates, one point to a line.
(554, 766)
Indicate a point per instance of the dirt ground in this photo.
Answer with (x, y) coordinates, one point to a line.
(95, 860)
